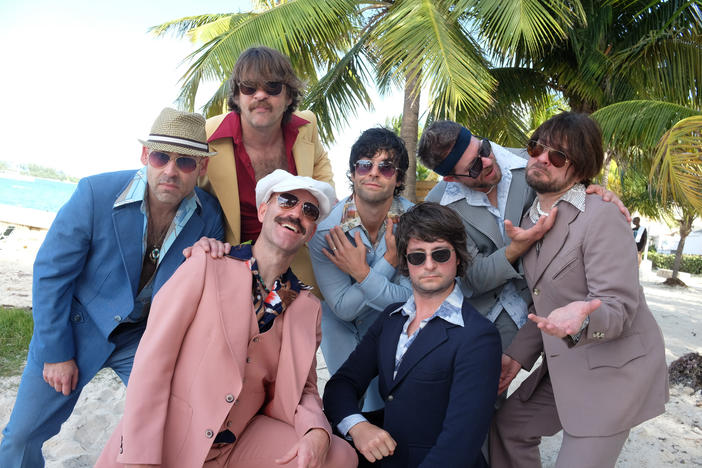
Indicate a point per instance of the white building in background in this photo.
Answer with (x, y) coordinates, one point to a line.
(669, 243)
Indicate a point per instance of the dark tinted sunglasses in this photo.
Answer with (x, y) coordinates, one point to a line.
(185, 164)
(288, 201)
(555, 157)
(477, 167)
(438, 255)
(365, 166)
(271, 88)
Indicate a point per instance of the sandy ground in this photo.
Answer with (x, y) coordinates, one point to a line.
(672, 439)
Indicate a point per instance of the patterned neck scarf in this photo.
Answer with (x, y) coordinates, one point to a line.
(268, 303)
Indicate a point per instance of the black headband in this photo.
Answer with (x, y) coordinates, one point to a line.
(462, 142)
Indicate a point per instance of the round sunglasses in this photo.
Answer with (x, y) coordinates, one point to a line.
(556, 157)
(365, 166)
(271, 88)
(476, 168)
(288, 201)
(159, 159)
(438, 255)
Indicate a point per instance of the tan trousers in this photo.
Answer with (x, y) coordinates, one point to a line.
(517, 428)
(265, 440)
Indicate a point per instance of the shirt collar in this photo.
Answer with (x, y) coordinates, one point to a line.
(450, 310)
(244, 252)
(575, 196)
(351, 219)
(230, 127)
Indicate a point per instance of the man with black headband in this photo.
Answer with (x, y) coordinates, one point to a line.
(485, 184)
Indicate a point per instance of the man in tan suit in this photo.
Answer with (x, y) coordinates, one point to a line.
(225, 375)
(604, 367)
(261, 133)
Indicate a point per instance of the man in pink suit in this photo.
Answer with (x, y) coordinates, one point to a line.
(225, 374)
(603, 369)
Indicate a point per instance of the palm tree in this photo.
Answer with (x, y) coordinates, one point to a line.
(664, 140)
(342, 47)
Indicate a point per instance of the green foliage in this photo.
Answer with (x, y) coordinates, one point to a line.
(4, 166)
(690, 263)
(36, 170)
(15, 333)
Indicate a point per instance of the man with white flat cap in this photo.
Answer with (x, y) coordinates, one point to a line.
(225, 374)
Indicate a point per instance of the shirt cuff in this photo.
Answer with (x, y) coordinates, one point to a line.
(572, 340)
(348, 422)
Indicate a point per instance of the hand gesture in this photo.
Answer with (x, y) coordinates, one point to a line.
(310, 450)
(348, 258)
(391, 247)
(373, 442)
(566, 320)
(510, 369)
(216, 248)
(63, 376)
(523, 239)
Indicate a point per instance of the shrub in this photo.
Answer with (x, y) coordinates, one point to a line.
(16, 332)
(690, 263)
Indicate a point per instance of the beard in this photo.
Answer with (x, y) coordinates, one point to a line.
(544, 185)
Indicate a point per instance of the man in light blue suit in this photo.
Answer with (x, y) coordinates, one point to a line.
(111, 247)
(353, 252)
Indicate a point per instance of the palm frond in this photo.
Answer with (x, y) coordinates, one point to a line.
(180, 27)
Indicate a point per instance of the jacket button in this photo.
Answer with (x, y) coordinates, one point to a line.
(209, 434)
(390, 397)
(229, 398)
(255, 340)
(76, 318)
(536, 291)
(248, 359)
(118, 318)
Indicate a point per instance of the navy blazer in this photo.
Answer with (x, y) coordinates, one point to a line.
(86, 273)
(438, 408)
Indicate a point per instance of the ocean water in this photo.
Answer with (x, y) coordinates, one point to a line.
(39, 194)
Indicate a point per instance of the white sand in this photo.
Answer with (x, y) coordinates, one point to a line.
(674, 438)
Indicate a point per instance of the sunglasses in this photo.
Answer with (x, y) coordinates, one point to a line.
(288, 201)
(555, 157)
(365, 166)
(271, 88)
(477, 167)
(185, 164)
(438, 255)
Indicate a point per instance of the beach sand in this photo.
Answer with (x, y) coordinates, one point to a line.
(674, 438)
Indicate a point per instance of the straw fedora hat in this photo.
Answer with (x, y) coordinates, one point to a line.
(179, 132)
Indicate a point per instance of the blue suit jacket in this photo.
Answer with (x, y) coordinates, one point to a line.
(439, 406)
(86, 273)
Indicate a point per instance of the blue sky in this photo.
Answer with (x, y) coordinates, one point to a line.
(82, 80)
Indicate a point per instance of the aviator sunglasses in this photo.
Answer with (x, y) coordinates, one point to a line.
(159, 159)
(271, 88)
(438, 255)
(477, 167)
(288, 201)
(364, 166)
(556, 158)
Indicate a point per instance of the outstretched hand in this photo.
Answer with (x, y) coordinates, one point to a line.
(566, 320)
(523, 239)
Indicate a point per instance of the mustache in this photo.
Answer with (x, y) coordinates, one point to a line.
(262, 104)
(290, 220)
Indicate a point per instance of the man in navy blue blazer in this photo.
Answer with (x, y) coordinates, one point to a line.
(110, 248)
(437, 358)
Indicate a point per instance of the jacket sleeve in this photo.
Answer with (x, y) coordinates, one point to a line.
(149, 388)
(487, 271)
(347, 298)
(471, 401)
(58, 264)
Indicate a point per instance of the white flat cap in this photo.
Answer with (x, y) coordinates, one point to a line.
(282, 181)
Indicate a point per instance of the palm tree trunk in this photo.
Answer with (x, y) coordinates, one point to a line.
(605, 168)
(408, 132)
(685, 229)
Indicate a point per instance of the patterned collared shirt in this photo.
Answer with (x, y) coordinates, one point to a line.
(509, 299)
(268, 304)
(575, 196)
(449, 310)
(351, 219)
(136, 193)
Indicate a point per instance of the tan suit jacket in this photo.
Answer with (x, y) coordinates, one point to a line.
(311, 160)
(616, 375)
(189, 366)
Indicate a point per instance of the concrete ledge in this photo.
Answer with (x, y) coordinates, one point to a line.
(34, 219)
(663, 273)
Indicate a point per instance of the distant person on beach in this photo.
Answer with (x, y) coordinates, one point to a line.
(110, 249)
(603, 365)
(261, 133)
(640, 237)
(226, 373)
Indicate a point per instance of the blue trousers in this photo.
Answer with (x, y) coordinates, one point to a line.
(40, 410)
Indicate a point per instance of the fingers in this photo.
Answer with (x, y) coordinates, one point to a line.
(289, 455)
(187, 252)
(593, 305)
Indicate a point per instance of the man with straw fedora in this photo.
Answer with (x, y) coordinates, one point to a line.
(110, 249)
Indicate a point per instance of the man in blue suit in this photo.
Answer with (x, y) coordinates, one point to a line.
(110, 248)
(437, 358)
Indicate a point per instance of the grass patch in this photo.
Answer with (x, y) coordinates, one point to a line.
(15, 333)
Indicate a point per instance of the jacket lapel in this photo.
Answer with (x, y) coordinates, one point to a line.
(518, 199)
(128, 222)
(301, 150)
(553, 241)
(433, 335)
(479, 218)
(388, 347)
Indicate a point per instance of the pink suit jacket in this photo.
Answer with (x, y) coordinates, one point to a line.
(616, 376)
(189, 366)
